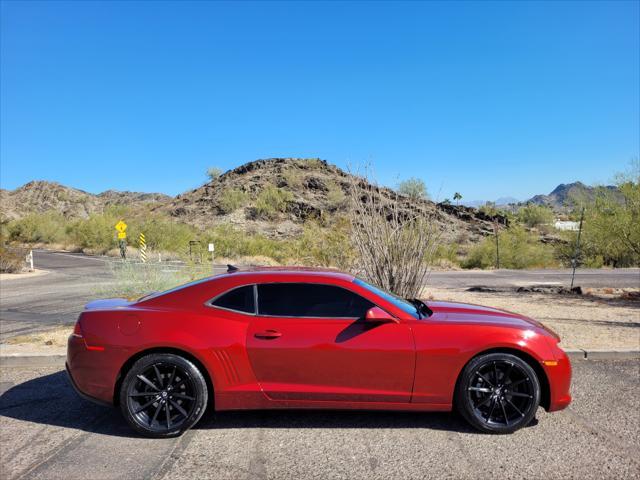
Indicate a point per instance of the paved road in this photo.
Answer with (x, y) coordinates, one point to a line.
(46, 432)
(56, 298)
(595, 278)
(31, 304)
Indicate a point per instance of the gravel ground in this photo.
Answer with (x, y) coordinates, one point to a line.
(49, 433)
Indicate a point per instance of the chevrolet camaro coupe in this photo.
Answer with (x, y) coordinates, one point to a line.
(274, 338)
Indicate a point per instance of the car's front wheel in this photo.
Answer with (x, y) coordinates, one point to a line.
(498, 393)
(163, 395)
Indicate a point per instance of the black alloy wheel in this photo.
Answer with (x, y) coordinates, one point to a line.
(163, 395)
(498, 393)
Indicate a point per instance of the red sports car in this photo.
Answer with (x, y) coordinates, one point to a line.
(309, 338)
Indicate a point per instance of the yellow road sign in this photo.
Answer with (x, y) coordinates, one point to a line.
(121, 227)
(122, 235)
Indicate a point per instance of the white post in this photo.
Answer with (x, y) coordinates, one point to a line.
(30, 258)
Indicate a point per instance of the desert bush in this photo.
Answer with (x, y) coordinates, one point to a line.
(393, 249)
(271, 201)
(293, 176)
(325, 247)
(133, 279)
(96, 232)
(535, 215)
(12, 260)
(413, 188)
(336, 197)
(47, 227)
(232, 199)
(213, 173)
(448, 252)
(518, 249)
(163, 234)
(612, 228)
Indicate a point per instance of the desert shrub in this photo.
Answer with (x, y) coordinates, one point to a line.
(413, 188)
(336, 197)
(12, 260)
(535, 215)
(231, 242)
(448, 252)
(271, 201)
(232, 199)
(133, 280)
(325, 247)
(518, 249)
(293, 176)
(96, 232)
(213, 173)
(611, 227)
(47, 227)
(393, 250)
(163, 234)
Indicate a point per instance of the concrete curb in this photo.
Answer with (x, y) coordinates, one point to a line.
(59, 360)
(580, 354)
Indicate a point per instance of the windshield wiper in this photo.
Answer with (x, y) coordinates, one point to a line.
(422, 308)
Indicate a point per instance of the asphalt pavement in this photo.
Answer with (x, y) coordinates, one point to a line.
(47, 432)
(586, 278)
(35, 303)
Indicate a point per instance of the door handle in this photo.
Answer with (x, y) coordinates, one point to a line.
(268, 335)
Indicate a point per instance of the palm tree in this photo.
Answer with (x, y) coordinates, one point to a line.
(457, 197)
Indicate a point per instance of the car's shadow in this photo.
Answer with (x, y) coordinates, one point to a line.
(50, 400)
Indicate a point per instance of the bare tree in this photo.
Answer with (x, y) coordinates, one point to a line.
(394, 239)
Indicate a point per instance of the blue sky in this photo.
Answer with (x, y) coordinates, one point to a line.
(489, 99)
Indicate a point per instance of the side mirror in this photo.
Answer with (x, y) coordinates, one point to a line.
(378, 315)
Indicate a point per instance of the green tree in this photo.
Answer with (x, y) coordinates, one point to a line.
(457, 197)
(535, 215)
(413, 188)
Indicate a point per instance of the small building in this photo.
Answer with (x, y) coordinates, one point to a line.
(567, 225)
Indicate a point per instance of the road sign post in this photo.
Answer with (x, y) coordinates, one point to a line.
(142, 243)
(212, 249)
(121, 227)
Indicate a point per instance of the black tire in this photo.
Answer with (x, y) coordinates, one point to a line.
(498, 393)
(163, 395)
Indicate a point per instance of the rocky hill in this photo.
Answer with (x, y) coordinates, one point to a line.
(274, 197)
(42, 196)
(312, 189)
(565, 195)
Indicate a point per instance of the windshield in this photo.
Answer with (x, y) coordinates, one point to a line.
(391, 298)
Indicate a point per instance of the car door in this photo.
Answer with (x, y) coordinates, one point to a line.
(311, 342)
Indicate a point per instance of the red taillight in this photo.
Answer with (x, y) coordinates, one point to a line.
(77, 331)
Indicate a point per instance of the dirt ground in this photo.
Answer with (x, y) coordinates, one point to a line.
(581, 321)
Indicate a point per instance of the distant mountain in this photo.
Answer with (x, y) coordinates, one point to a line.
(41, 196)
(564, 195)
(500, 202)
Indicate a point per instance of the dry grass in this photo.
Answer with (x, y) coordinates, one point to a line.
(56, 337)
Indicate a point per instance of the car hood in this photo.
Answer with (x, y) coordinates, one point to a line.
(468, 313)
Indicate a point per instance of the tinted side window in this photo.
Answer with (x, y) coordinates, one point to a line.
(240, 299)
(310, 300)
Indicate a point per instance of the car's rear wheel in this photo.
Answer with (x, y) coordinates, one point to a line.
(498, 393)
(163, 395)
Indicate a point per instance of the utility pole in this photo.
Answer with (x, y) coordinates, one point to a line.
(495, 227)
(574, 261)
